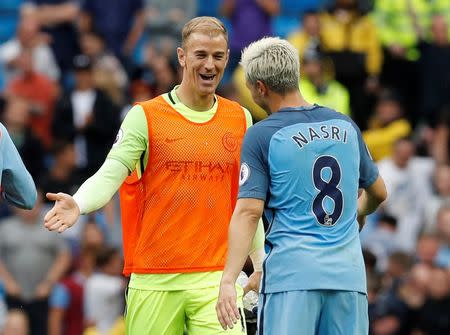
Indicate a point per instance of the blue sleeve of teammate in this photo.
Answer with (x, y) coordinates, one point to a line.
(368, 171)
(17, 184)
(254, 176)
(59, 298)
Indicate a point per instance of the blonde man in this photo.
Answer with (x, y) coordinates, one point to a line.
(178, 158)
(301, 164)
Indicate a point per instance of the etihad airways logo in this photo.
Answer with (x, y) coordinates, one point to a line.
(200, 170)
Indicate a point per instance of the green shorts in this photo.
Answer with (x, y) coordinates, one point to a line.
(152, 312)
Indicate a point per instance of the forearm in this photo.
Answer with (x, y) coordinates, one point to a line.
(55, 320)
(108, 179)
(49, 15)
(5, 276)
(367, 204)
(135, 32)
(241, 232)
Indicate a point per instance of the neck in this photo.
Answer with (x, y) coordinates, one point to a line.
(291, 99)
(192, 100)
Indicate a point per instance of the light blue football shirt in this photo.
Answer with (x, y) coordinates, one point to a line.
(17, 186)
(308, 164)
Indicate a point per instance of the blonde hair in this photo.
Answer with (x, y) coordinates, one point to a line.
(273, 61)
(203, 24)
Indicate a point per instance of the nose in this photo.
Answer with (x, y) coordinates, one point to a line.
(209, 63)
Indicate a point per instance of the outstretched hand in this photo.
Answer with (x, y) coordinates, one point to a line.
(64, 213)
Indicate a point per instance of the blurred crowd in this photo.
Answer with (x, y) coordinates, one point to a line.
(71, 69)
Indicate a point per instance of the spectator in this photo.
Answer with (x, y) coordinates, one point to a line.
(29, 37)
(399, 264)
(58, 19)
(443, 230)
(88, 116)
(382, 241)
(441, 195)
(386, 126)
(41, 94)
(109, 74)
(32, 261)
(62, 174)
(396, 22)
(350, 38)
(434, 70)
(441, 139)
(240, 13)
(309, 35)
(166, 18)
(104, 292)
(396, 310)
(16, 118)
(427, 248)
(318, 85)
(66, 301)
(408, 181)
(433, 318)
(121, 22)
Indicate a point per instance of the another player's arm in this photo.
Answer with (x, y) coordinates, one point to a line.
(243, 226)
(121, 160)
(256, 253)
(254, 184)
(17, 185)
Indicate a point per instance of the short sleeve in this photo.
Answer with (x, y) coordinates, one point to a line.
(254, 176)
(59, 298)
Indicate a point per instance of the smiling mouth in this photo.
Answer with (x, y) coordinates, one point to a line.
(207, 76)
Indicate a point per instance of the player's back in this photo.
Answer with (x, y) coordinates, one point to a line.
(314, 162)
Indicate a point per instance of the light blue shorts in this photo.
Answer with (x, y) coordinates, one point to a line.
(314, 312)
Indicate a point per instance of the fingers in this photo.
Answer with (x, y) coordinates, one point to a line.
(50, 214)
(227, 313)
(52, 196)
(53, 223)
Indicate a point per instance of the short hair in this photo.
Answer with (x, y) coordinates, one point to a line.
(273, 61)
(203, 24)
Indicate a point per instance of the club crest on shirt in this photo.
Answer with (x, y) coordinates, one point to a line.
(119, 138)
(244, 174)
(229, 142)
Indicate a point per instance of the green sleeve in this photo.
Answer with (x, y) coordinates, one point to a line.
(132, 139)
(248, 117)
(107, 179)
(258, 240)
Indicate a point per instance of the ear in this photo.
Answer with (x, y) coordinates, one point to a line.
(261, 88)
(181, 57)
(227, 57)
